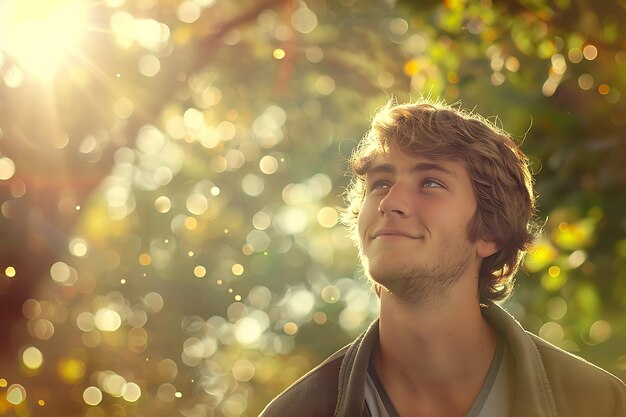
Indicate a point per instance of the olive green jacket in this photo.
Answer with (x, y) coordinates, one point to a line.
(549, 382)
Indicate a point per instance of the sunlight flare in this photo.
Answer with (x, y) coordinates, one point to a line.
(39, 34)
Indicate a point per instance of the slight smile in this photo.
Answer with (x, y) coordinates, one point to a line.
(393, 234)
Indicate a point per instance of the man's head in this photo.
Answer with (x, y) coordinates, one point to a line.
(496, 167)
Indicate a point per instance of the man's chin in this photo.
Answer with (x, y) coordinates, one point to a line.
(387, 278)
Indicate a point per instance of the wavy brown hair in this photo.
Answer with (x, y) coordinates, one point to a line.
(498, 170)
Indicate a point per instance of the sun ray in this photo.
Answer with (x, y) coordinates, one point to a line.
(39, 34)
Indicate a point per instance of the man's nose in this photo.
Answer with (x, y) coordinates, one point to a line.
(396, 201)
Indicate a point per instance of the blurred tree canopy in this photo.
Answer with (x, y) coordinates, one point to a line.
(171, 174)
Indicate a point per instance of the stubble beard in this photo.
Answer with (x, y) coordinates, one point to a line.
(427, 283)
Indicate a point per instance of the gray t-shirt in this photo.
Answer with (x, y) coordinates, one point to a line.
(494, 400)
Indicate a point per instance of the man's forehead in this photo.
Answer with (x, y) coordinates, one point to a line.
(396, 160)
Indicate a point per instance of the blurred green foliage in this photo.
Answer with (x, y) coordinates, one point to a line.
(170, 190)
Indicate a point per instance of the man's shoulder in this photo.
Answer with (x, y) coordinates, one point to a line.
(577, 383)
(314, 394)
(561, 364)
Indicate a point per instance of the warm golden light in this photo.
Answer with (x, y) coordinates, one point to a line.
(38, 34)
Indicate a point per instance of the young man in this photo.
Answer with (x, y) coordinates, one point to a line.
(441, 206)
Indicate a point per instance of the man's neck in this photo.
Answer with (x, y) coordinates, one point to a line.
(433, 357)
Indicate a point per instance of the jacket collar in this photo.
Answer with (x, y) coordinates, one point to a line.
(352, 374)
(533, 393)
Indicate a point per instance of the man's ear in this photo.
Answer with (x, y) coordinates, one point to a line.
(486, 248)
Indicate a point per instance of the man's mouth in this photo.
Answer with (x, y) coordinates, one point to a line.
(394, 234)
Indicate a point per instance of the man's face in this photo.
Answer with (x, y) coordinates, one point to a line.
(413, 226)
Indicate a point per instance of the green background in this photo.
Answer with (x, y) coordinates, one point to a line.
(170, 194)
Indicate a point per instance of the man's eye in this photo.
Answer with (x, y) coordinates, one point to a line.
(380, 185)
(432, 184)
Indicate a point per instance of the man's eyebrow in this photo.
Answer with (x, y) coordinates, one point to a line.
(380, 168)
(419, 167)
(431, 166)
